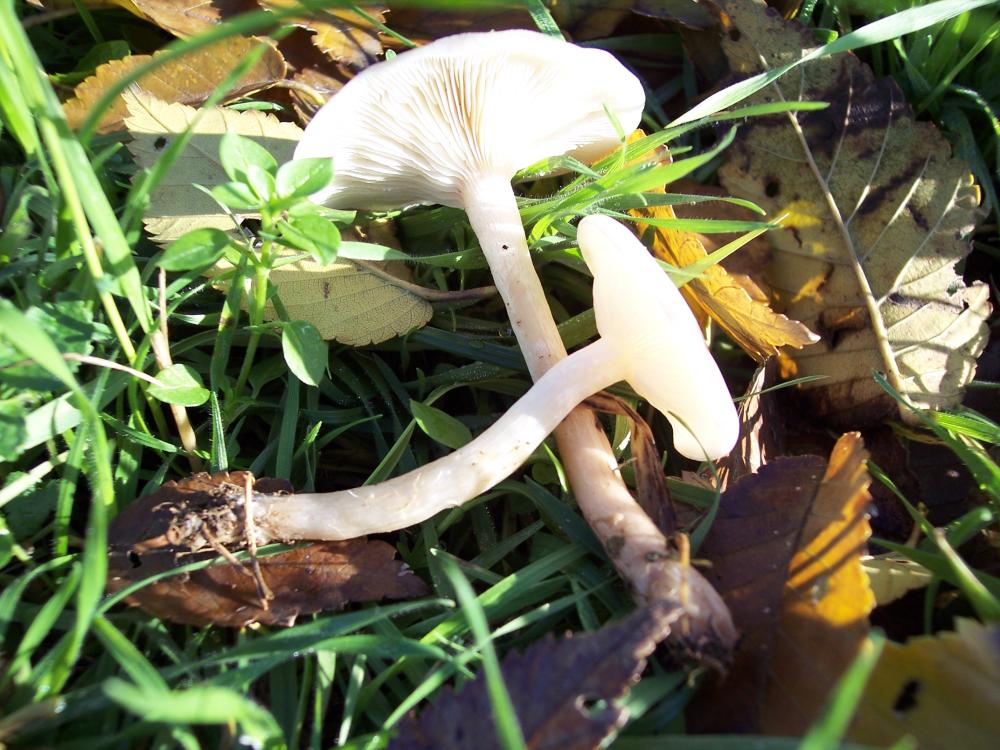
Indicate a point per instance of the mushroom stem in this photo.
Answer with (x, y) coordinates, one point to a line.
(454, 479)
(492, 210)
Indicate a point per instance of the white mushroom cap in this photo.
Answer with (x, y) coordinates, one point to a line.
(669, 364)
(417, 128)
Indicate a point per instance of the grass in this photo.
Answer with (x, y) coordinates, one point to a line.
(78, 442)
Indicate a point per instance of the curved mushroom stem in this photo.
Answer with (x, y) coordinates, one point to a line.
(636, 546)
(454, 479)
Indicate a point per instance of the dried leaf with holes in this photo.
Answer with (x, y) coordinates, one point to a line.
(177, 205)
(879, 214)
(199, 518)
(189, 79)
(549, 684)
(786, 551)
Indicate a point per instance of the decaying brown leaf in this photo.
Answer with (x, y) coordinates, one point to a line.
(943, 690)
(549, 684)
(785, 551)
(878, 214)
(187, 521)
(188, 79)
(176, 204)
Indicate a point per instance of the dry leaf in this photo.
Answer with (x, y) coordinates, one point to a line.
(892, 576)
(759, 439)
(186, 18)
(785, 551)
(550, 685)
(176, 205)
(178, 524)
(181, 18)
(351, 302)
(944, 691)
(343, 34)
(188, 79)
(750, 322)
(878, 215)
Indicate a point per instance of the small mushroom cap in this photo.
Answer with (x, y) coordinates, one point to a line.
(417, 128)
(643, 316)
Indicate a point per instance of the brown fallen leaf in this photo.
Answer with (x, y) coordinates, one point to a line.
(343, 34)
(181, 18)
(786, 551)
(943, 691)
(187, 80)
(878, 214)
(550, 685)
(187, 521)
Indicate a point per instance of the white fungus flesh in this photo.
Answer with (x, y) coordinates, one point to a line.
(643, 316)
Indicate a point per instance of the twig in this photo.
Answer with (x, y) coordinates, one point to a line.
(160, 341)
(263, 592)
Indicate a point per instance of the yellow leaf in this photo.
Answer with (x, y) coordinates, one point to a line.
(942, 690)
(188, 79)
(177, 205)
(750, 322)
(891, 577)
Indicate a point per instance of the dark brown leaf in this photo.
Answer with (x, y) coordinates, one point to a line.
(785, 551)
(185, 522)
(549, 684)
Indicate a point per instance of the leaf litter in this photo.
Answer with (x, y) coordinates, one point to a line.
(879, 217)
(786, 549)
(200, 518)
(551, 685)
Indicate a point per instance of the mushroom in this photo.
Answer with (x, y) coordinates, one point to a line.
(451, 122)
(649, 338)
